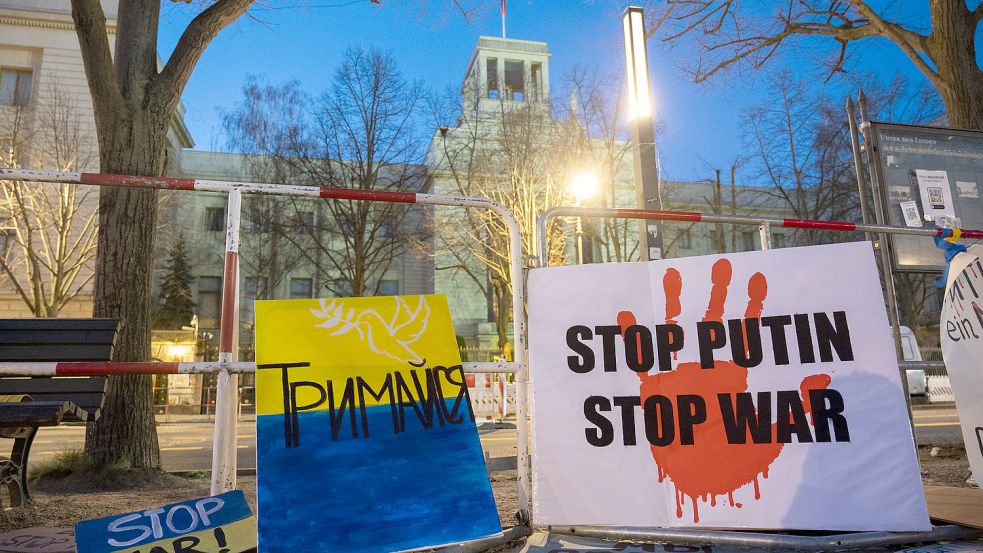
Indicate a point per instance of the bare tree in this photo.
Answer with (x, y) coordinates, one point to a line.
(797, 138)
(522, 156)
(134, 103)
(596, 106)
(49, 229)
(727, 34)
(361, 134)
(798, 142)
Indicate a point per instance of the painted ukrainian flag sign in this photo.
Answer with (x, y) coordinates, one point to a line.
(365, 436)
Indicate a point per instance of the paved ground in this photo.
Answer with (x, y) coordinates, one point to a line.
(937, 424)
(187, 446)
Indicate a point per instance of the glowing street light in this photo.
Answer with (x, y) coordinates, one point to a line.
(642, 129)
(636, 58)
(583, 186)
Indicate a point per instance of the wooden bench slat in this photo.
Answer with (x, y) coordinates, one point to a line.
(89, 402)
(59, 384)
(34, 413)
(36, 337)
(59, 324)
(74, 352)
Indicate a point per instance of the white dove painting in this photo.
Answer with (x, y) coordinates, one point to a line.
(394, 338)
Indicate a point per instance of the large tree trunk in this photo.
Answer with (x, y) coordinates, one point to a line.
(133, 104)
(124, 266)
(953, 47)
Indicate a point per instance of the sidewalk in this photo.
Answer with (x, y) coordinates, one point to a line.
(209, 418)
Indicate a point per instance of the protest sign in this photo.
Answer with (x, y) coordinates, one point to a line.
(961, 330)
(749, 390)
(365, 435)
(219, 524)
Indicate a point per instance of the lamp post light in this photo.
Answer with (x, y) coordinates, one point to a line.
(642, 130)
(583, 186)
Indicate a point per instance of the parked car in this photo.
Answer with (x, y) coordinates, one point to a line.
(917, 383)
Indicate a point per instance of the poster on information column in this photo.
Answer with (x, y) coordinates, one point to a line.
(747, 390)
(365, 436)
(961, 330)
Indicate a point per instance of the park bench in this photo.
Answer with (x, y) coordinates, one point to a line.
(28, 403)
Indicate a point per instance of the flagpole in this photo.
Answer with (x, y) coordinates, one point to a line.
(503, 18)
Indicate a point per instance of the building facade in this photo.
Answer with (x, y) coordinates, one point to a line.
(506, 117)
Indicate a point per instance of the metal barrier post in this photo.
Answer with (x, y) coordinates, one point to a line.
(851, 117)
(227, 393)
(887, 264)
(764, 230)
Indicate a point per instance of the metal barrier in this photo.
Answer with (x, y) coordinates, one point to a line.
(228, 367)
(764, 225)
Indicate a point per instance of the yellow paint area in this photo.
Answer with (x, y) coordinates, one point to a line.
(239, 536)
(367, 338)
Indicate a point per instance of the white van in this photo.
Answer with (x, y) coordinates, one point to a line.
(917, 383)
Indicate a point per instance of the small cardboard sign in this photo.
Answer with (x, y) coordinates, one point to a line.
(38, 540)
(219, 524)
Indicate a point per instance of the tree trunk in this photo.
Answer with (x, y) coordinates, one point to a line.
(953, 48)
(124, 266)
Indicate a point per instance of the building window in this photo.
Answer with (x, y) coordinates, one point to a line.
(684, 240)
(15, 86)
(305, 220)
(258, 223)
(747, 241)
(515, 88)
(388, 288)
(716, 239)
(536, 86)
(778, 240)
(342, 288)
(491, 70)
(209, 301)
(247, 309)
(214, 219)
(6, 241)
(301, 288)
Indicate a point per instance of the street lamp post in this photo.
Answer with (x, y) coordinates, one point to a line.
(583, 186)
(642, 130)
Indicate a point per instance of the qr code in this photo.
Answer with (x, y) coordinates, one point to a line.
(910, 213)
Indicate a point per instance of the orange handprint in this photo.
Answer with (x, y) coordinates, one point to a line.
(686, 460)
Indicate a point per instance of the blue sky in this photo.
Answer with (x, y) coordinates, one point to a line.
(304, 40)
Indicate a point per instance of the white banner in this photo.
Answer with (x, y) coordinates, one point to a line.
(961, 330)
(757, 390)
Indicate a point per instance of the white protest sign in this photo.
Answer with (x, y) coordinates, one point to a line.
(961, 329)
(778, 403)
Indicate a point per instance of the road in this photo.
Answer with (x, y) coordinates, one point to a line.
(187, 446)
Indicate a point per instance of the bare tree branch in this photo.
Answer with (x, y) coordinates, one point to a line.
(196, 37)
(97, 58)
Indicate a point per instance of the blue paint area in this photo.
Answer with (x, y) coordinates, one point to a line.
(387, 492)
(92, 536)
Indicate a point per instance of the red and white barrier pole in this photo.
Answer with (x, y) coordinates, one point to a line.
(694, 217)
(516, 268)
(227, 392)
